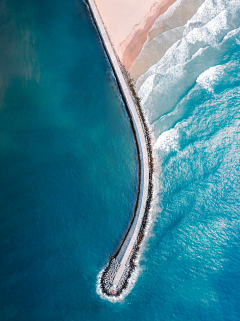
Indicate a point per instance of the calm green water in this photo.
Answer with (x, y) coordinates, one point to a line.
(68, 169)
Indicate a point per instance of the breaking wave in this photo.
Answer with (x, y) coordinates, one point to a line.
(204, 47)
(191, 96)
(167, 30)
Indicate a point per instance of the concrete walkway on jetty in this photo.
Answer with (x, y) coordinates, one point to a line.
(141, 140)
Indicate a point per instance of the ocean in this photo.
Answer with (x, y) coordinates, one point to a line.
(69, 169)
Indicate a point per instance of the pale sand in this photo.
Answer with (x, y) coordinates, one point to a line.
(128, 23)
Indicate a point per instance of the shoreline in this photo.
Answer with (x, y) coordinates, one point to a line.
(131, 47)
(128, 24)
(120, 266)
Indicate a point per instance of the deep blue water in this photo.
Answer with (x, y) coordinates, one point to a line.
(68, 169)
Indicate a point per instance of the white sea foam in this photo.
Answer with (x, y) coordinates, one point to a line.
(177, 15)
(168, 140)
(167, 29)
(192, 59)
(154, 210)
(163, 85)
(183, 50)
(187, 61)
(209, 77)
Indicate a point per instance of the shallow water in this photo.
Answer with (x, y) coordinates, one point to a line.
(192, 98)
(68, 173)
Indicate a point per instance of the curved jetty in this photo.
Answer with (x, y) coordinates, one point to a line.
(118, 271)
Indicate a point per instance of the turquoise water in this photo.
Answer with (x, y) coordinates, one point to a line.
(68, 168)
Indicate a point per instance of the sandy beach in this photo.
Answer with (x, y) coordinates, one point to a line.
(128, 23)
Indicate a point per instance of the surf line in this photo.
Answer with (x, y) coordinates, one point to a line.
(115, 277)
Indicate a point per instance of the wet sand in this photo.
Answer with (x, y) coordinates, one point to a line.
(128, 23)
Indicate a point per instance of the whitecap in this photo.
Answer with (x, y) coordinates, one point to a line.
(209, 77)
(168, 140)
